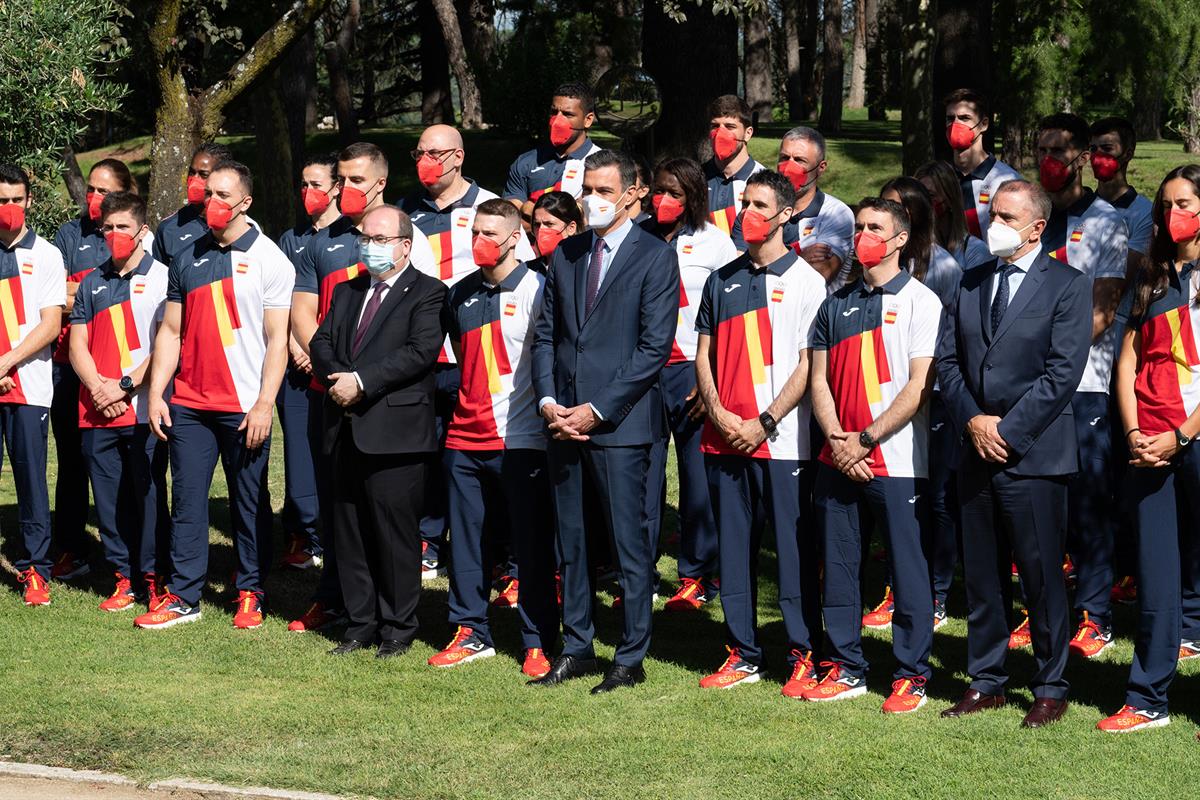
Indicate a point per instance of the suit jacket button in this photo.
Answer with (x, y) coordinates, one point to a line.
(988, 366)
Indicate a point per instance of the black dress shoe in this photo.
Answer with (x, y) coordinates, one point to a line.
(564, 669)
(347, 647)
(974, 701)
(392, 647)
(620, 676)
(1045, 711)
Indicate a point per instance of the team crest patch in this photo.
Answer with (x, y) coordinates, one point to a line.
(889, 318)
(686, 249)
(985, 198)
(27, 268)
(510, 309)
(570, 174)
(1077, 235)
(777, 296)
(242, 267)
(808, 229)
(139, 287)
(461, 222)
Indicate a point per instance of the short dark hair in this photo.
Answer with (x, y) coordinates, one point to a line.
(730, 105)
(624, 163)
(219, 152)
(560, 205)
(499, 208)
(691, 179)
(323, 160)
(785, 193)
(1122, 127)
(363, 150)
(12, 174)
(1073, 125)
(241, 170)
(577, 90)
(890, 207)
(116, 202)
(119, 169)
(977, 99)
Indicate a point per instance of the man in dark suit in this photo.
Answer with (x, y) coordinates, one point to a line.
(1012, 349)
(609, 312)
(377, 347)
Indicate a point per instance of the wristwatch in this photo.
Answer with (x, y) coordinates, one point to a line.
(1181, 439)
(866, 440)
(769, 424)
(126, 384)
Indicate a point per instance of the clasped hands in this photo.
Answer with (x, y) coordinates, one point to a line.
(985, 436)
(570, 424)
(108, 398)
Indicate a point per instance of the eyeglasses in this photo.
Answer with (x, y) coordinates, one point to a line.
(437, 154)
(363, 241)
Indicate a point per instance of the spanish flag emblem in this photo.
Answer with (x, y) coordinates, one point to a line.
(686, 249)
(510, 309)
(777, 295)
(1077, 235)
(889, 318)
(985, 198)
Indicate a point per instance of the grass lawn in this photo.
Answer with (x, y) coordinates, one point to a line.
(85, 689)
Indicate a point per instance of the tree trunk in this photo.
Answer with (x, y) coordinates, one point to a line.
(876, 92)
(460, 65)
(756, 30)
(962, 58)
(479, 38)
(1191, 119)
(297, 82)
(73, 177)
(858, 67)
(337, 62)
(614, 41)
(702, 52)
(917, 106)
(833, 68)
(1148, 110)
(436, 102)
(274, 181)
(794, 81)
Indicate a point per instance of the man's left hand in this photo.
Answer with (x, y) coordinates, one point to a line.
(749, 435)
(257, 425)
(344, 389)
(846, 449)
(7, 362)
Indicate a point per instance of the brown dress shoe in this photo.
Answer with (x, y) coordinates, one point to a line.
(1045, 710)
(973, 701)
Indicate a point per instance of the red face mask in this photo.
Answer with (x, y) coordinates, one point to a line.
(547, 240)
(960, 136)
(195, 190)
(724, 143)
(94, 199)
(561, 130)
(429, 170)
(1104, 166)
(666, 209)
(1182, 225)
(485, 251)
(119, 244)
(756, 228)
(218, 214)
(795, 173)
(315, 201)
(870, 248)
(12, 217)
(1053, 174)
(351, 201)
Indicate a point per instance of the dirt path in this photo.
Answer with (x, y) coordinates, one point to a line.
(16, 788)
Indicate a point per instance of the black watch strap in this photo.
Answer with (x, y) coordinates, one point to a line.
(768, 422)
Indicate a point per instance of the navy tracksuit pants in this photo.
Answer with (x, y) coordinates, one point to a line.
(1092, 508)
(697, 527)
(329, 585)
(25, 429)
(1165, 500)
(944, 441)
(740, 487)
(900, 506)
(197, 440)
(515, 483)
(301, 510)
(128, 467)
(433, 518)
(71, 480)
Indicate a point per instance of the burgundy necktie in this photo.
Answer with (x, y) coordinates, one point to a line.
(595, 264)
(369, 314)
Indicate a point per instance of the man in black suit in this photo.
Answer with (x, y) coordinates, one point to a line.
(1012, 349)
(377, 347)
(609, 312)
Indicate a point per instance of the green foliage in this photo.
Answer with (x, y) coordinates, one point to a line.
(53, 61)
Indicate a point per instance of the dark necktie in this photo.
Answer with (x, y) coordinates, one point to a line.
(368, 315)
(1000, 301)
(595, 264)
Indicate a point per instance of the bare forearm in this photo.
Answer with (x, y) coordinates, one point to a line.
(165, 361)
(824, 408)
(41, 336)
(706, 385)
(901, 411)
(789, 396)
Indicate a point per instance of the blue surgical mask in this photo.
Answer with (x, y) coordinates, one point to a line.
(378, 258)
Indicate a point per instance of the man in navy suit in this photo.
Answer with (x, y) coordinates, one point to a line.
(1012, 349)
(610, 307)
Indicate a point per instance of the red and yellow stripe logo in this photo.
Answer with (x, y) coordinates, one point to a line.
(889, 318)
(12, 309)
(510, 309)
(225, 310)
(125, 332)
(985, 198)
(759, 352)
(241, 267)
(443, 254)
(874, 364)
(27, 268)
(1183, 346)
(495, 356)
(686, 249)
(777, 296)
(1077, 235)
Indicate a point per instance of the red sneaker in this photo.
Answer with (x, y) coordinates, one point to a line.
(169, 610)
(463, 648)
(507, 598)
(908, 694)
(316, 618)
(122, 598)
(1130, 719)
(536, 664)
(1069, 572)
(1021, 637)
(836, 685)
(881, 615)
(299, 555)
(804, 676)
(689, 597)
(69, 567)
(1015, 572)
(431, 568)
(249, 613)
(734, 672)
(1090, 640)
(37, 591)
(1188, 650)
(1125, 591)
(154, 589)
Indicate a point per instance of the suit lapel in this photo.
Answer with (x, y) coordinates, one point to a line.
(985, 305)
(623, 256)
(581, 270)
(390, 301)
(1029, 287)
